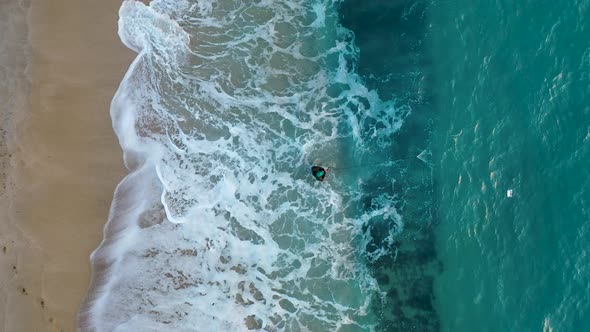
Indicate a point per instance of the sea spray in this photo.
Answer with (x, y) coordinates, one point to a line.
(219, 225)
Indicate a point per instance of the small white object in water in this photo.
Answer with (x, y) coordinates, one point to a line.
(509, 193)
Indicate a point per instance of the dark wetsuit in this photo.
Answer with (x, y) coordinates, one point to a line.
(319, 173)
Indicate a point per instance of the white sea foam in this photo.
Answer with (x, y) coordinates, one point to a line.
(220, 116)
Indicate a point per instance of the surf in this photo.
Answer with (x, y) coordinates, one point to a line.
(219, 222)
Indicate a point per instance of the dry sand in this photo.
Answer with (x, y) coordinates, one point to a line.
(65, 164)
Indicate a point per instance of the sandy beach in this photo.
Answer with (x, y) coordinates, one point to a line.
(62, 164)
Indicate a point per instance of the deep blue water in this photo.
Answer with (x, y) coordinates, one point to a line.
(394, 60)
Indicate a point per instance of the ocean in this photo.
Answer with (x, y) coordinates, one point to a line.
(514, 113)
(425, 113)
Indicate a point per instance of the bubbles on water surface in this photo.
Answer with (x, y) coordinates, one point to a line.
(227, 105)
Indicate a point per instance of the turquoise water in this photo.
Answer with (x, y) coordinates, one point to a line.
(512, 83)
(499, 93)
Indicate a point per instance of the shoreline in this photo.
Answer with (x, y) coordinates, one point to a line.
(65, 165)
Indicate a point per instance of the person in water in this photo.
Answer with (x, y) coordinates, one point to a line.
(319, 173)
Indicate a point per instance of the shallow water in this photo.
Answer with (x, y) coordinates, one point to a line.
(220, 224)
(426, 112)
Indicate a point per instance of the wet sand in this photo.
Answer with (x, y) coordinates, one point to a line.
(66, 162)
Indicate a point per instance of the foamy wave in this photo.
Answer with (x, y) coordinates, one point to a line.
(219, 226)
